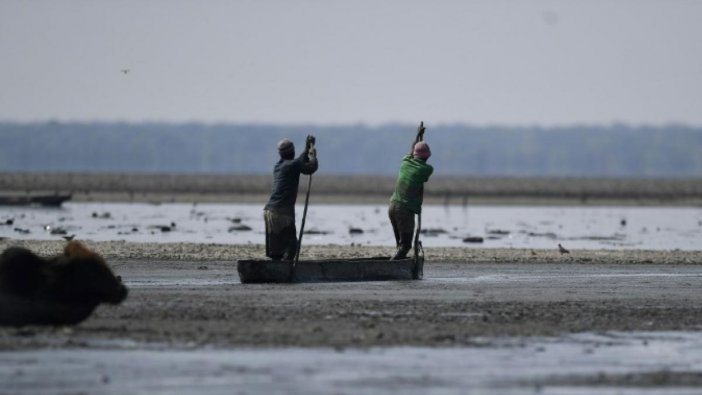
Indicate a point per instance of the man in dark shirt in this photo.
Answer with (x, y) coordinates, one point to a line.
(279, 212)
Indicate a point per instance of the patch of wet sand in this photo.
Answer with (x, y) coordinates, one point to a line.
(189, 325)
(190, 294)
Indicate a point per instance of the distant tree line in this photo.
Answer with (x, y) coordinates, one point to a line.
(581, 151)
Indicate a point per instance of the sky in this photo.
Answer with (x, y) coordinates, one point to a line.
(363, 61)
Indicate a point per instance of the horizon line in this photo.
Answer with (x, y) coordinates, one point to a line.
(361, 124)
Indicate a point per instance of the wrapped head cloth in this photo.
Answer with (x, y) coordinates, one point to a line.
(421, 150)
(286, 148)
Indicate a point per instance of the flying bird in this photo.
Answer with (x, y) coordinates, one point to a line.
(562, 250)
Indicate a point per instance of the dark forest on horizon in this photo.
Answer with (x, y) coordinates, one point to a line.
(617, 150)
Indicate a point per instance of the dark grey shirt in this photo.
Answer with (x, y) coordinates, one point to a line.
(286, 178)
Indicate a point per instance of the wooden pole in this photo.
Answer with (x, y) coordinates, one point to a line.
(302, 224)
(420, 137)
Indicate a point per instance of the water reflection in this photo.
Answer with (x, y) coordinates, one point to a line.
(477, 226)
(603, 363)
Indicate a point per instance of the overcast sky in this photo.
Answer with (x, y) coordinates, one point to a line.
(478, 62)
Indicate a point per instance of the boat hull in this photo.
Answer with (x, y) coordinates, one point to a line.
(55, 200)
(326, 270)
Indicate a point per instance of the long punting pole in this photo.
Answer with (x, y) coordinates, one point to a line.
(302, 225)
(419, 216)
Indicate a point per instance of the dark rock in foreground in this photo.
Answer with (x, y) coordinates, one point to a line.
(62, 290)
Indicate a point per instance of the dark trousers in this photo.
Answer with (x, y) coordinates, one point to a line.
(281, 235)
(402, 221)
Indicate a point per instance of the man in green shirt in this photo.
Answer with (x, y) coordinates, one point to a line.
(406, 200)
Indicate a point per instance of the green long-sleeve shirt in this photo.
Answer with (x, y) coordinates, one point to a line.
(410, 183)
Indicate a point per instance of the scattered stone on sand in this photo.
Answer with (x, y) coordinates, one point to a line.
(430, 232)
(56, 231)
(105, 215)
(473, 239)
(239, 228)
(549, 235)
(315, 231)
(162, 228)
(355, 231)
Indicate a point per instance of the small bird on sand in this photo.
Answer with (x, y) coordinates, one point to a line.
(562, 250)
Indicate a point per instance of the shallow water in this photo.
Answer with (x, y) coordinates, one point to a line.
(657, 228)
(572, 364)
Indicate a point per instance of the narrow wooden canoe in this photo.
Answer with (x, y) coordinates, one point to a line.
(34, 200)
(323, 270)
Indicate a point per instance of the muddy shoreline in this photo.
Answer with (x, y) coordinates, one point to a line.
(189, 325)
(199, 252)
(189, 294)
(117, 187)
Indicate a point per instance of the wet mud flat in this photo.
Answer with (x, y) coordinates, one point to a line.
(204, 304)
(480, 319)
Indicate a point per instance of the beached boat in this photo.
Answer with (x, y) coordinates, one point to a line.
(53, 200)
(322, 270)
